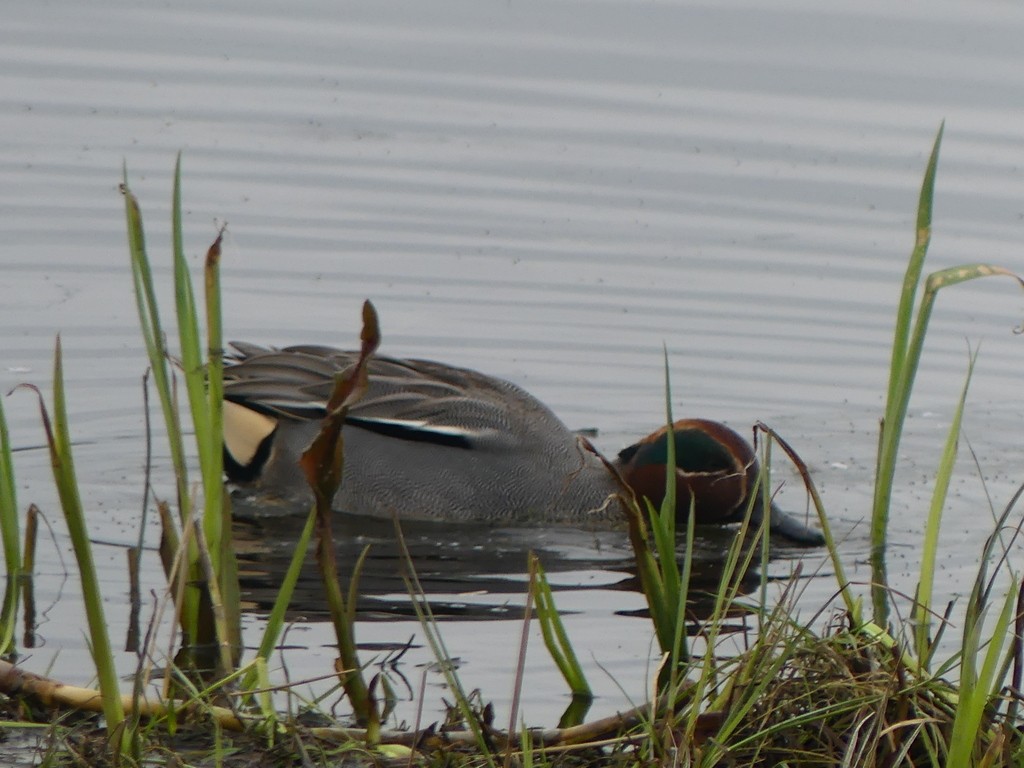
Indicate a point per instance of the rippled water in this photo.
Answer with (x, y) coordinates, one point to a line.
(547, 191)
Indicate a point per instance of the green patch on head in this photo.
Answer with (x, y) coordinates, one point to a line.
(696, 451)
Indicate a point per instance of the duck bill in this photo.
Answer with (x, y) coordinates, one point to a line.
(784, 525)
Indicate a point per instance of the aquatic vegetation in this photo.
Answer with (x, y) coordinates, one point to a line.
(744, 682)
(322, 463)
(59, 441)
(208, 573)
(908, 342)
(11, 538)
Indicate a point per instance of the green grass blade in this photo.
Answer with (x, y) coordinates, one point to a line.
(226, 638)
(680, 641)
(851, 601)
(665, 528)
(977, 687)
(193, 364)
(275, 621)
(353, 584)
(915, 267)
(203, 372)
(217, 512)
(10, 532)
(906, 353)
(662, 584)
(647, 568)
(159, 361)
(555, 637)
(213, 469)
(930, 544)
(59, 442)
(897, 392)
(897, 412)
(155, 340)
(230, 589)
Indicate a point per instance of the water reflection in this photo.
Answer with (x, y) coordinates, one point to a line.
(468, 572)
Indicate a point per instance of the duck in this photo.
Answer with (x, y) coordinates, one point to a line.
(431, 441)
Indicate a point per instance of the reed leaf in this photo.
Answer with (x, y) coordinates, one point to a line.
(555, 637)
(227, 638)
(230, 589)
(217, 520)
(898, 392)
(978, 687)
(921, 615)
(217, 523)
(203, 373)
(664, 529)
(851, 601)
(275, 620)
(59, 441)
(10, 533)
(908, 343)
(155, 339)
(322, 465)
(664, 587)
(193, 364)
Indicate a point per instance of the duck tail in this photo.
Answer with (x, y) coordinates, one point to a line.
(248, 438)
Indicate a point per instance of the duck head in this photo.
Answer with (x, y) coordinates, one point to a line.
(716, 472)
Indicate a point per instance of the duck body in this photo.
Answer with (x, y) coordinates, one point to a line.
(431, 441)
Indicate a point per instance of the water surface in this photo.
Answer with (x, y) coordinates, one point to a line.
(552, 192)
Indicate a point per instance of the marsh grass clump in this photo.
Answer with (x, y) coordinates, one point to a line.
(843, 697)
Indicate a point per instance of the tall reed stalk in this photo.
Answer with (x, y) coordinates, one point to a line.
(9, 532)
(908, 341)
(201, 364)
(322, 464)
(59, 441)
